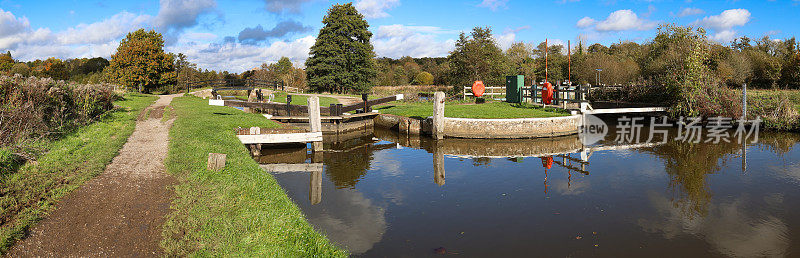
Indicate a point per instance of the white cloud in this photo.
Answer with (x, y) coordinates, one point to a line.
(723, 24)
(107, 30)
(176, 15)
(688, 11)
(725, 36)
(416, 41)
(726, 20)
(376, 8)
(585, 22)
(493, 4)
(508, 37)
(622, 20)
(238, 57)
(11, 25)
(280, 6)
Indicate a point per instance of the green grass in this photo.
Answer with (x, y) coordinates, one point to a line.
(303, 100)
(238, 211)
(792, 95)
(29, 193)
(487, 110)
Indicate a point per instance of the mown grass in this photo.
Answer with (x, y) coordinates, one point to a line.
(487, 110)
(303, 100)
(238, 211)
(29, 193)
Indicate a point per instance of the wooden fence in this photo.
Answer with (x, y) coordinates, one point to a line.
(333, 110)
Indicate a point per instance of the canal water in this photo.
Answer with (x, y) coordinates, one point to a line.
(383, 194)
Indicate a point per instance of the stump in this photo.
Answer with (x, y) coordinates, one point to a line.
(216, 161)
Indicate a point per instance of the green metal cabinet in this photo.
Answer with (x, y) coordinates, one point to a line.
(514, 86)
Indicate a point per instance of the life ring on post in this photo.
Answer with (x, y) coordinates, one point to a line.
(547, 162)
(478, 89)
(547, 93)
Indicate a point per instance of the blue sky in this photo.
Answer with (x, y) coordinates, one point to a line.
(237, 35)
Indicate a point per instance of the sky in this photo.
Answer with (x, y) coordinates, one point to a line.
(238, 35)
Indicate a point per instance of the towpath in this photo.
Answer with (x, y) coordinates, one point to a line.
(120, 212)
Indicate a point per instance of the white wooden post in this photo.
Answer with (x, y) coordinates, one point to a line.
(744, 101)
(438, 115)
(314, 120)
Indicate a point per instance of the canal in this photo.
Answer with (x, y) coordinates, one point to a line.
(384, 194)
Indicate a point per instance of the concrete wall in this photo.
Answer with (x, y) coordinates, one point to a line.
(486, 128)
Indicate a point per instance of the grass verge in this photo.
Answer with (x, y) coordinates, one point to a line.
(303, 100)
(29, 193)
(238, 211)
(486, 111)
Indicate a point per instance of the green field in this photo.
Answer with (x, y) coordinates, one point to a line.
(303, 100)
(28, 194)
(487, 110)
(238, 211)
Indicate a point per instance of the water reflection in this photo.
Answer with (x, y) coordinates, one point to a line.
(506, 194)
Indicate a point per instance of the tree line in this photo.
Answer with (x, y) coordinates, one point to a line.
(342, 60)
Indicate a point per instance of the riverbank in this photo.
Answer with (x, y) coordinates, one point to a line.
(492, 110)
(27, 195)
(238, 211)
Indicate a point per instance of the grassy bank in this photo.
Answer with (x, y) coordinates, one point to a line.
(29, 193)
(303, 100)
(238, 211)
(487, 110)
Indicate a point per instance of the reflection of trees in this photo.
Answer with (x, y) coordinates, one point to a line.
(687, 165)
(481, 161)
(778, 143)
(348, 161)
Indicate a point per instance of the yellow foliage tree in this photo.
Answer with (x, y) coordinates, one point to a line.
(141, 63)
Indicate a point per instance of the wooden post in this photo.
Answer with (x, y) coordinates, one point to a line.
(332, 110)
(438, 115)
(365, 98)
(216, 161)
(314, 120)
(289, 105)
(315, 187)
(438, 164)
(744, 101)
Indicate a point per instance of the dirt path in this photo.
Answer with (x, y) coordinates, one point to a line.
(119, 212)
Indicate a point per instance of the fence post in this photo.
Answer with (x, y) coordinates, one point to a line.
(744, 101)
(438, 115)
(288, 105)
(365, 98)
(314, 120)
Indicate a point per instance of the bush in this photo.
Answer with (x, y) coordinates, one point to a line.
(423, 78)
(32, 108)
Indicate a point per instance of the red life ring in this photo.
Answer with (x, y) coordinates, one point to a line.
(547, 162)
(547, 93)
(478, 89)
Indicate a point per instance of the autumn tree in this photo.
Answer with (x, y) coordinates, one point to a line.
(141, 63)
(341, 59)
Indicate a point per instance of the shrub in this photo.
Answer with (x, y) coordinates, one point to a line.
(423, 78)
(32, 108)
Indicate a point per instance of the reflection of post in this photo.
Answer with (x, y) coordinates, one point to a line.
(438, 164)
(315, 187)
(314, 120)
(438, 115)
(744, 155)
